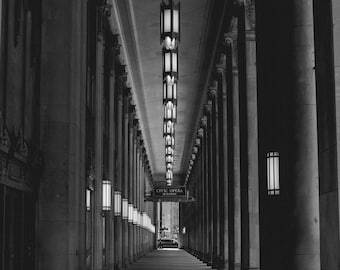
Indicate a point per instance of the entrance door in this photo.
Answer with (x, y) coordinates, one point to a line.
(17, 229)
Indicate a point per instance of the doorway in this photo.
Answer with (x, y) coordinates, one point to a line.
(17, 235)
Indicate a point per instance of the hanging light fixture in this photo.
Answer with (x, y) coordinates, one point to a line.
(169, 165)
(169, 89)
(170, 26)
(170, 111)
(169, 159)
(169, 174)
(170, 61)
(168, 127)
(170, 35)
(169, 150)
(170, 141)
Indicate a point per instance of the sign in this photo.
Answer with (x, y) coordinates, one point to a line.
(169, 192)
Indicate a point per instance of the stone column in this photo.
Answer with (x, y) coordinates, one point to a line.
(336, 45)
(112, 149)
(205, 189)
(62, 206)
(1, 61)
(202, 192)
(135, 184)
(199, 196)
(119, 166)
(209, 168)
(139, 165)
(223, 163)
(231, 43)
(98, 201)
(125, 178)
(140, 202)
(131, 178)
(250, 250)
(304, 149)
(214, 175)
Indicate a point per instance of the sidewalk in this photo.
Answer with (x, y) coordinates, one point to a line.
(169, 259)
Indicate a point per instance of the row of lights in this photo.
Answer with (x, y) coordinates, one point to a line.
(121, 208)
(170, 36)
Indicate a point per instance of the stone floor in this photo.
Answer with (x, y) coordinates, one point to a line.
(169, 259)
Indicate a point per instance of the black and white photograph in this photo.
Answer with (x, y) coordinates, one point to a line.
(169, 134)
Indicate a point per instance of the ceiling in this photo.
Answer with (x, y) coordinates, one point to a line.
(140, 37)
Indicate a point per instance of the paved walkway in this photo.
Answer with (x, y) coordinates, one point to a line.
(169, 259)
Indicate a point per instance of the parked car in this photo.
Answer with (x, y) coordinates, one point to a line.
(167, 243)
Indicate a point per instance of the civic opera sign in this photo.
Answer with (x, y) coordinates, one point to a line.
(169, 192)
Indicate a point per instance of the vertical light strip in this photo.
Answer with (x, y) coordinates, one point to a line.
(88, 199)
(273, 173)
(106, 195)
(118, 203)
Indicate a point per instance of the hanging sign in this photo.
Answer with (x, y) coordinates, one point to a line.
(169, 192)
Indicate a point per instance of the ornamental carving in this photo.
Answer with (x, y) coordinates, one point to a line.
(238, 3)
(230, 39)
(104, 12)
(250, 14)
(203, 122)
(221, 65)
(212, 91)
(21, 148)
(5, 142)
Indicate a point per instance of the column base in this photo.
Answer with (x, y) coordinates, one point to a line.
(216, 262)
(237, 266)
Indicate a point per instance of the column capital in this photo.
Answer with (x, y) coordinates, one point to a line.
(141, 142)
(238, 3)
(136, 123)
(121, 72)
(250, 14)
(212, 91)
(221, 65)
(104, 12)
(113, 42)
(207, 108)
(132, 109)
(230, 39)
(139, 134)
(203, 122)
(200, 132)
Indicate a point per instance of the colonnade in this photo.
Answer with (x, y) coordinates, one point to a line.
(119, 157)
(234, 218)
(94, 207)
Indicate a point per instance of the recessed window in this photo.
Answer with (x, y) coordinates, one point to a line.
(273, 173)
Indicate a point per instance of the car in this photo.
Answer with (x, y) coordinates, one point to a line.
(167, 243)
